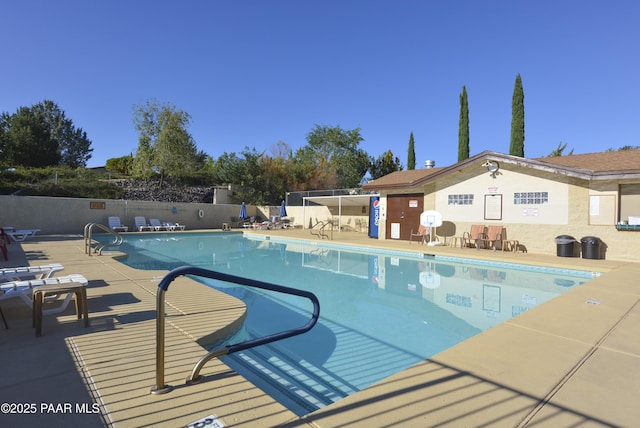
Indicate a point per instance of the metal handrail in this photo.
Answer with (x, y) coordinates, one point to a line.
(160, 387)
(88, 238)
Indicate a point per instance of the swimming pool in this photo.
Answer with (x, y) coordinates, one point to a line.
(381, 312)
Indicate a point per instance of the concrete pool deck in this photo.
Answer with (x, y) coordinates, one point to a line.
(573, 361)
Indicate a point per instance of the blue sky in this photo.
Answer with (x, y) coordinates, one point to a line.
(252, 73)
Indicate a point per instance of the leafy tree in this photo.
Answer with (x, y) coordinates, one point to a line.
(559, 151)
(516, 147)
(463, 127)
(228, 169)
(165, 147)
(411, 155)
(275, 179)
(261, 180)
(384, 164)
(338, 150)
(309, 173)
(121, 165)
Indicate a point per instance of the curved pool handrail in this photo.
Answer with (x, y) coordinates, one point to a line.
(163, 286)
(88, 238)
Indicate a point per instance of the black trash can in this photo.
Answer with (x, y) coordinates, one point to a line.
(590, 247)
(567, 246)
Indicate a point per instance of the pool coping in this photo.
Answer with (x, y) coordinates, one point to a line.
(567, 361)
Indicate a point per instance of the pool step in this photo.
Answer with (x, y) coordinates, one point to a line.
(299, 385)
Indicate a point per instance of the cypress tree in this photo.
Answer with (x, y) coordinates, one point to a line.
(517, 120)
(411, 155)
(463, 128)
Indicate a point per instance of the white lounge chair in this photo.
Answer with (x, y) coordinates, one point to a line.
(39, 272)
(141, 224)
(116, 226)
(21, 235)
(157, 226)
(23, 290)
(174, 226)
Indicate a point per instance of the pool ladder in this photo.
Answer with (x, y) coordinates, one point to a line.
(88, 238)
(160, 387)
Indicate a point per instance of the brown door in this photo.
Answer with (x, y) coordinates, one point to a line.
(403, 213)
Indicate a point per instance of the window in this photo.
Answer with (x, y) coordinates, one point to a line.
(530, 198)
(460, 200)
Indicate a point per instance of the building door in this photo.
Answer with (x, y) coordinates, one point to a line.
(403, 214)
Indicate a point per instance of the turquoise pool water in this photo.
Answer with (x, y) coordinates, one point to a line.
(381, 312)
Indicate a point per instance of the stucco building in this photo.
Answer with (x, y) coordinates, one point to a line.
(536, 200)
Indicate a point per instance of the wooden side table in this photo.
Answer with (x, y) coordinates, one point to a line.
(40, 292)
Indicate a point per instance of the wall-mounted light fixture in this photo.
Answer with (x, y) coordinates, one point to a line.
(492, 167)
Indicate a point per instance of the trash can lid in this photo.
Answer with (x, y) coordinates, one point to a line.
(590, 239)
(565, 237)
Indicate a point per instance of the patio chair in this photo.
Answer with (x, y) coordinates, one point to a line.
(495, 235)
(21, 235)
(422, 233)
(471, 239)
(116, 226)
(141, 224)
(39, 272)
(157, 226)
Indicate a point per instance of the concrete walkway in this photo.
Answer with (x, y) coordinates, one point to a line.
(568, 362)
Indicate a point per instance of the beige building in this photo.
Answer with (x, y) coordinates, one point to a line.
(536, 200)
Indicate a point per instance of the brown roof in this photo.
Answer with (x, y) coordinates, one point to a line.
(409, 177)
(604, 165)
(620, 160)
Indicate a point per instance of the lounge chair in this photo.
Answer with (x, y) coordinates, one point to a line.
(24, 290)
(19, 273)
(422, 233)
(471, 239)
(157, 226)
(39, 272)
(21, 235)
(116, 226)
(495, 236)
(174, 226)
(141, 224)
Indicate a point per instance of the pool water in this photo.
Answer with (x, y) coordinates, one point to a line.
(380, 313)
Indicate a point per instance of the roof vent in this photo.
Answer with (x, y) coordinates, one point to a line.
(429, 163)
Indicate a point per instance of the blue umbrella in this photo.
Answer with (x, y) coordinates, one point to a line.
(243, 211)
(283, 210)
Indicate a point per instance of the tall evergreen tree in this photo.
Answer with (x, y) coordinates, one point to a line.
(74, 146)
(517, 120)
(411, 155)
(463, 127)
(41, 135)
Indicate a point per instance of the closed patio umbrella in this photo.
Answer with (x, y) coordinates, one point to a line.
(283, 210)
(243, 211)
